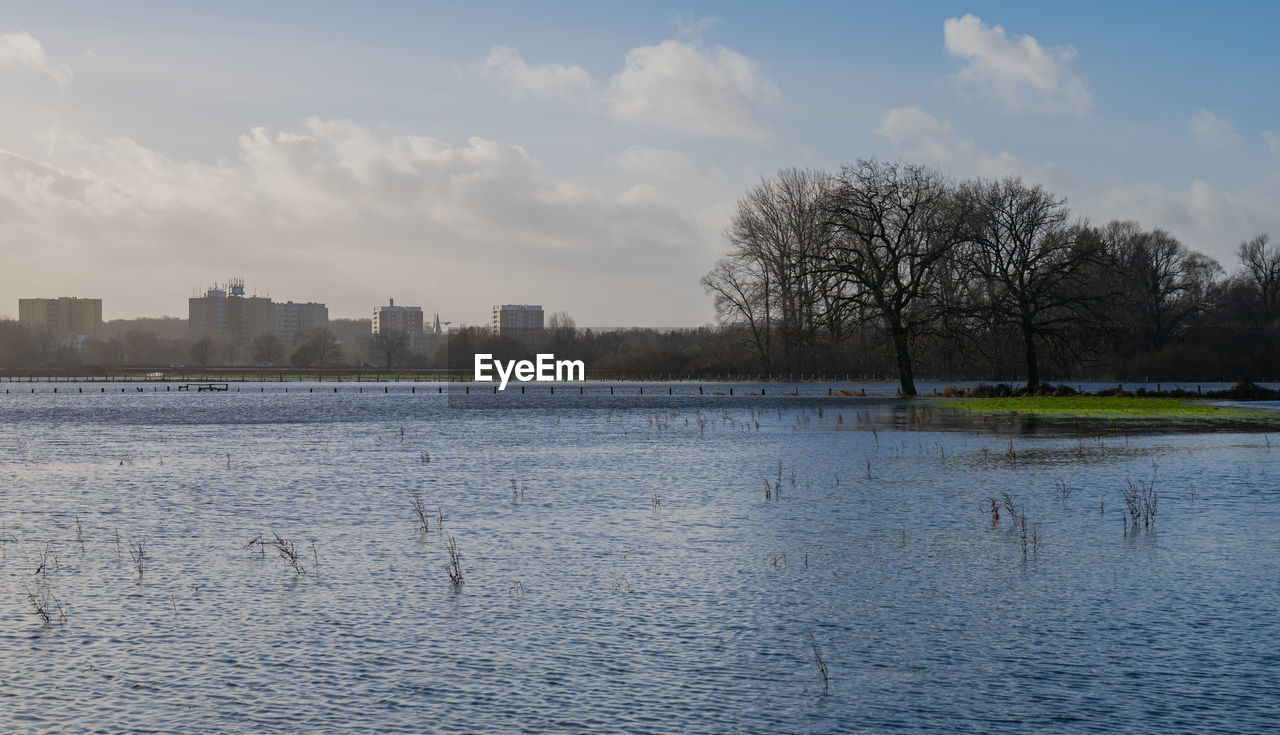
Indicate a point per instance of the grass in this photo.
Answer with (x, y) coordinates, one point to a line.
(1111, 407)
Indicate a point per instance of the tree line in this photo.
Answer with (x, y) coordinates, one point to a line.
(881, 270)
(888, 267)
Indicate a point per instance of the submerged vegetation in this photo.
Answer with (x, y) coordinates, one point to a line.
(868, 498)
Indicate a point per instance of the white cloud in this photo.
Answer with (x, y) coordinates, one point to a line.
(546, 81)
(1211, 130)
(675, 85)
(337, 212)
(657, 161)
(916, 134)
(680, 87)
(22, 50)
(1018, 72)
(1272, 140)
(1204, 217)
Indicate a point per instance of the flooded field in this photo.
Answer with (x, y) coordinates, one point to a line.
(253, 560)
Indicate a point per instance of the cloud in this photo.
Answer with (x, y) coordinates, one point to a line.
(1208, 219)
(1272, 140)
(657, 161)
(680, 87)
(676, 85)
(334, 211)
(1017, 72)
(22, 50)
(916, 134)
(545, 81)
(1211, 130)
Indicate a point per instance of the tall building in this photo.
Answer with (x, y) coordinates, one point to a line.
(66, 316)
(406, 319)
(250, 316)
(298, 320)
(516, 319)
(207, 315)
(228, 312)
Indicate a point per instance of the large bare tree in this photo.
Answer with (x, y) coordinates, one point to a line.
(892, 225)
(770, 283)
(1033, 259)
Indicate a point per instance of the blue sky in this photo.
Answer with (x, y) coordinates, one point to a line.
(581, 155)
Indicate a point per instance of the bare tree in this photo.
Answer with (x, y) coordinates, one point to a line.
(326, 347)
(1166, 285)
(892, 225)
(772, 283)
(202, 352)
(1261, 261)
(305, 355)
(562, 333)
(267, 347)
(390, 346)
(740, 291)
(1033, 260)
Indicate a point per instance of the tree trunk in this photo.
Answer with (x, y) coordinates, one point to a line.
(906, 381)
(1033, 364)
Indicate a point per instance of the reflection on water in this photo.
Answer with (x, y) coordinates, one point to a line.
(634, 577)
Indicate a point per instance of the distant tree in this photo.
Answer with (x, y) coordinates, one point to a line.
(1165, 285)
(267, 347)
(390, 347)
(1261, 261)
(892, 227)
(562, 334)
(325, 347)
(305, 355)
(202, 351)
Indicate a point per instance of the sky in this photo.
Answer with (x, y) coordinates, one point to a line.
(583, 156)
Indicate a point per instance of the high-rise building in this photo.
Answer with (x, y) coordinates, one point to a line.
(228, 312)
(407, 319)
(298, 320)
(516, 319)
(207, 316)
(63, 317)
(250, 316)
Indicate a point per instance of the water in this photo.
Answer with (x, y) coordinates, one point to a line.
(637, 579)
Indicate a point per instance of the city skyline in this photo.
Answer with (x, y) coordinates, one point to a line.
(582, 151)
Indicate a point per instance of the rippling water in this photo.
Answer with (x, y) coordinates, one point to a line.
(636, 579)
